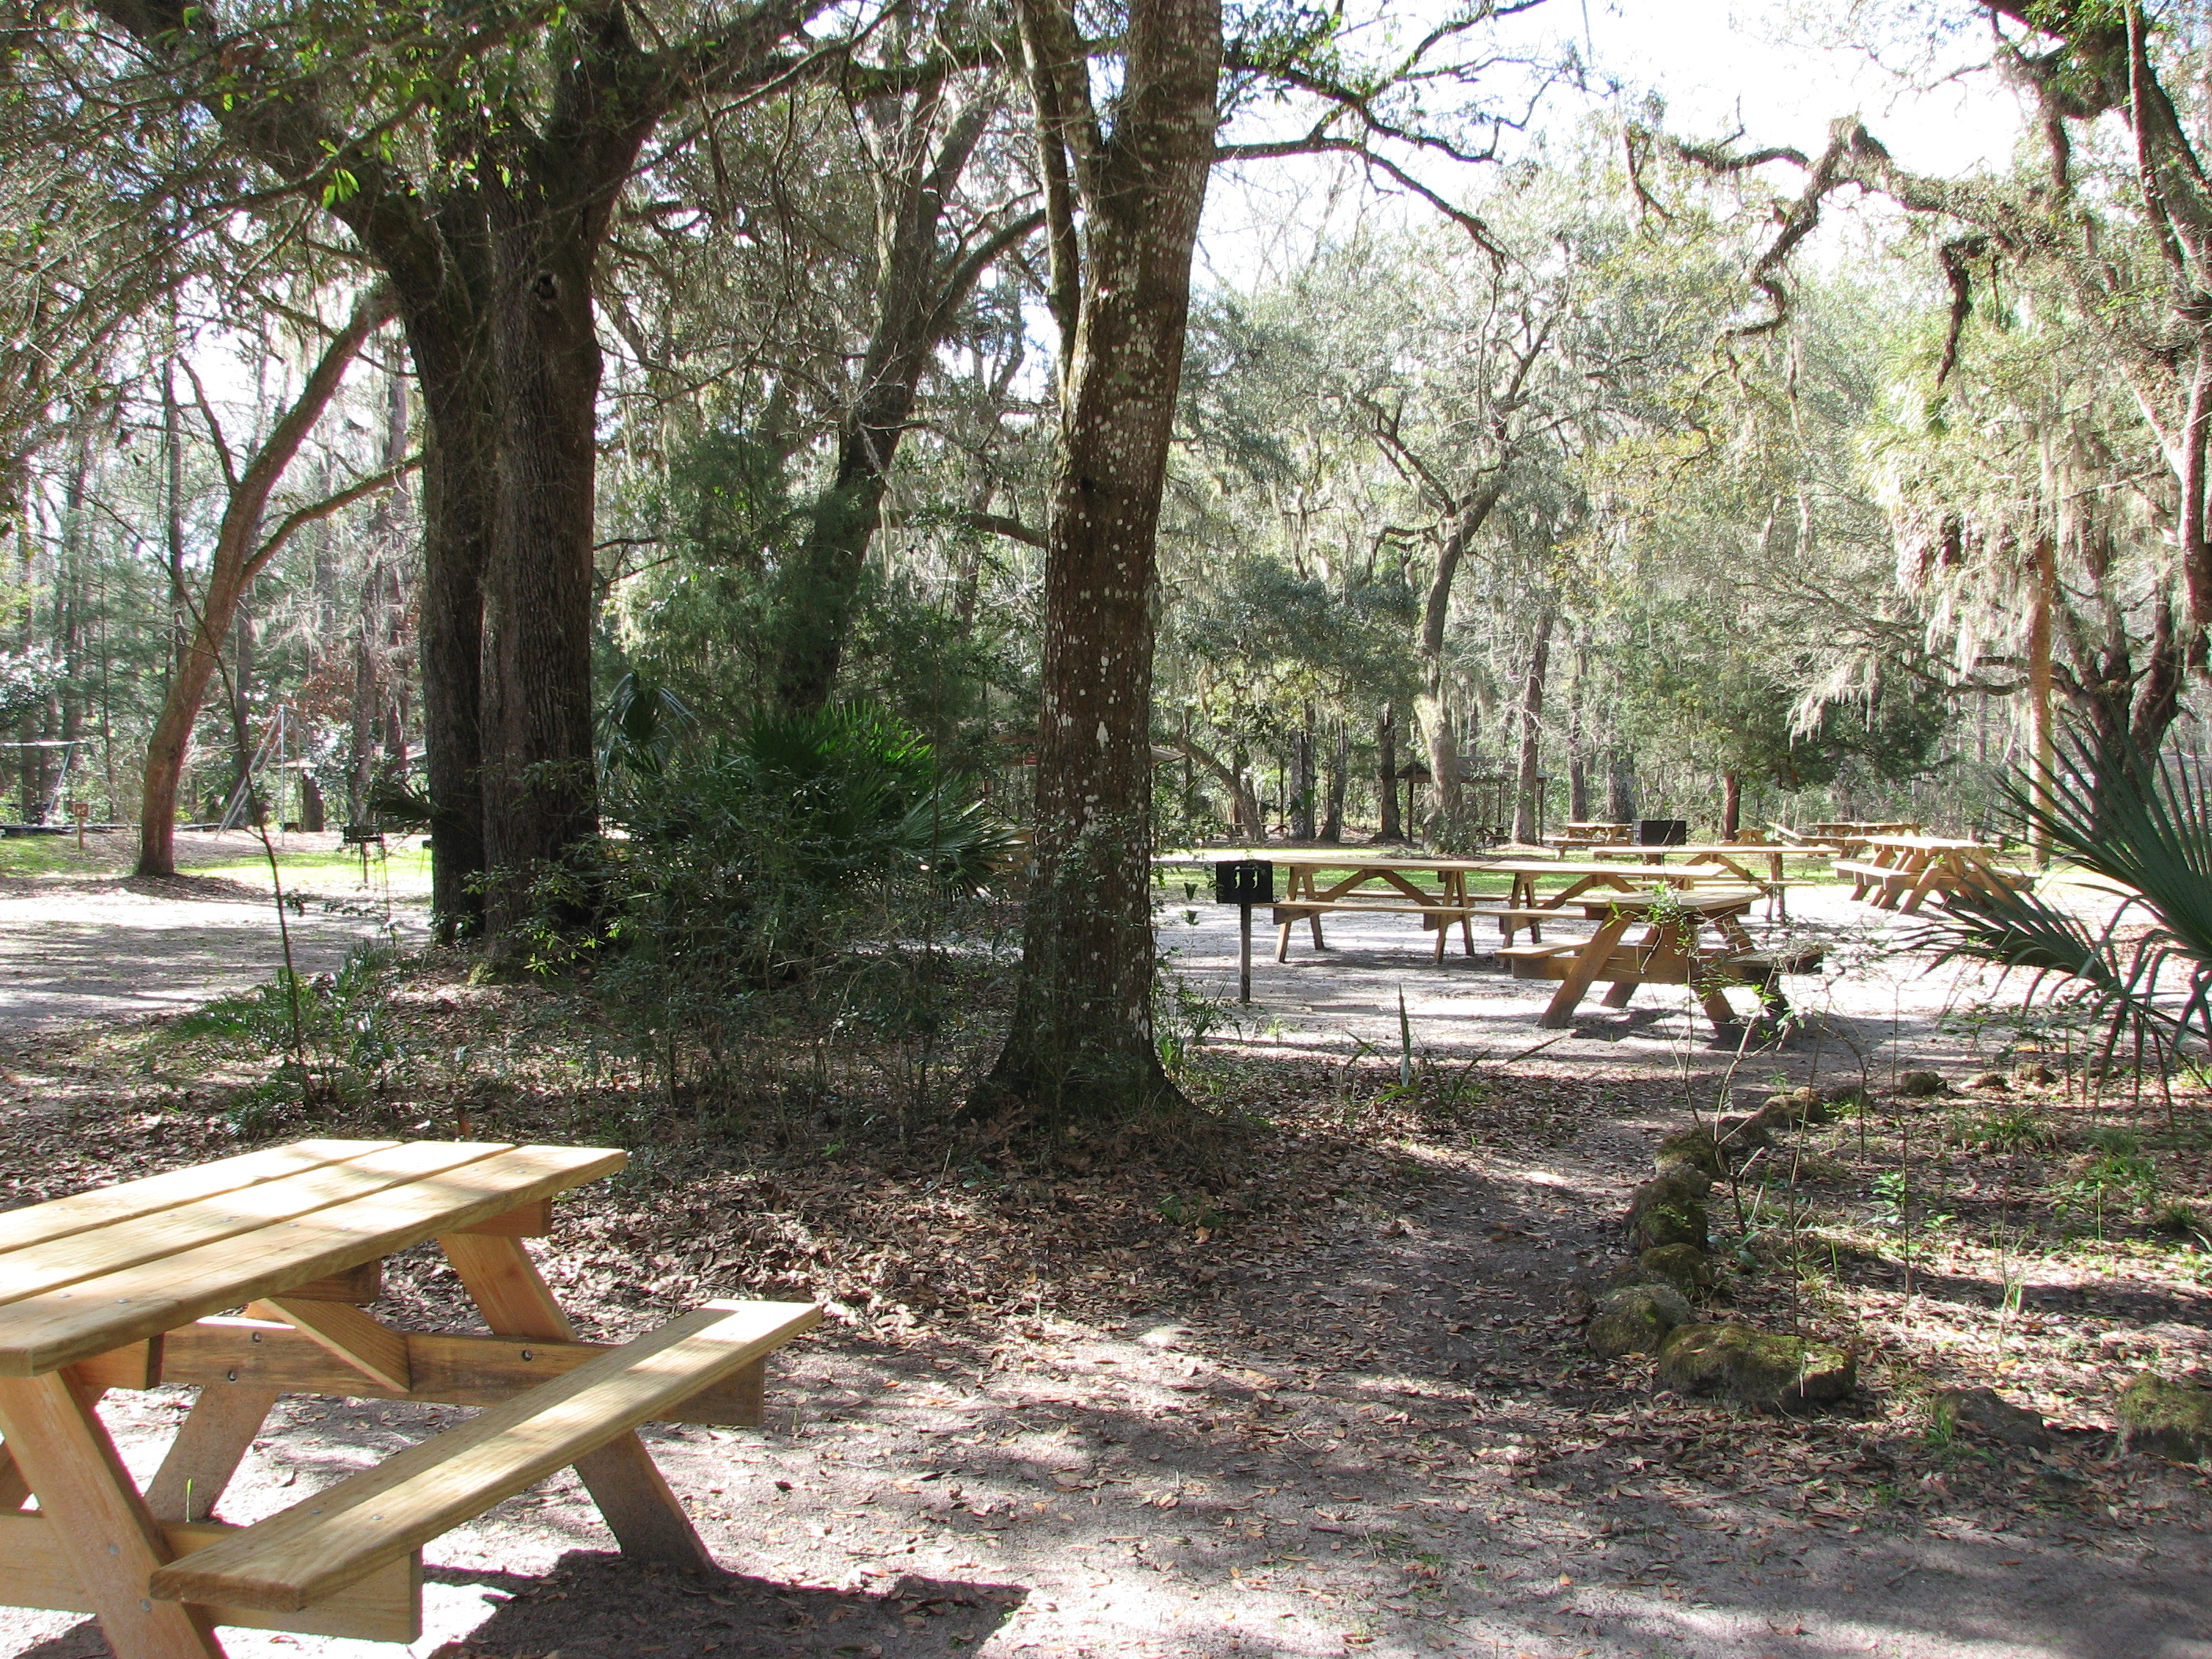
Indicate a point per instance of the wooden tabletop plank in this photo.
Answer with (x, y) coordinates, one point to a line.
(62, 1262)
(40, 1334)
(59, 1218)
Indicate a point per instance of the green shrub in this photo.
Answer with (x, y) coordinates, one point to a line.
(743, 863)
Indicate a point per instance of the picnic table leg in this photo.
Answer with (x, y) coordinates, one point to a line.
(14, 1491)
(210, 1444)
(104, 1528)
(621, 1477)
(1584, 972)
(1283, 942)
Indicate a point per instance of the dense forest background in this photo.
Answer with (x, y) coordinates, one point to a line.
(1569, 503)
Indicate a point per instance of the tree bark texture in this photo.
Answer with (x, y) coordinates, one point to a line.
(1081, 1044)
(1620, 785)
(239, 555)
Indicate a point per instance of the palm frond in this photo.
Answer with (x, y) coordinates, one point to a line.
(2144, 822)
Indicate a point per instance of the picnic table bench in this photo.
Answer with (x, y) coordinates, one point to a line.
(125, 1287)
(1669, 952)
(1900, 872)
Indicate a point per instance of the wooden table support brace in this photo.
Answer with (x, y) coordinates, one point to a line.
(215, 1437)
(631, 1493)
(111, 1539)
(377, 1351)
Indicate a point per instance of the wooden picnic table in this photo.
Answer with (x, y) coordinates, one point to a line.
(1379, 883)
(1529, 903)
(1670, 951)
(1736, 857)
(1845, 833)
(125, 1287)
(1900, 872)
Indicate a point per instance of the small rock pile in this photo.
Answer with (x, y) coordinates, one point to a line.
(1652, 1305)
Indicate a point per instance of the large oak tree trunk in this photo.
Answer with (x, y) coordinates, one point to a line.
(540, 791)
(1081, 1045)
(454, 376)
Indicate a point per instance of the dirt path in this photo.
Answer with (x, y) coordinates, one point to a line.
(76, 949)
(1365, 1426)
(1386, 1443)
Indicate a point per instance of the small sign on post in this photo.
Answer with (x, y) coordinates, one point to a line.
(1244, 883)
(81, 812)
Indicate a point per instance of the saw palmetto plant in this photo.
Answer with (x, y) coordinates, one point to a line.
(2144, 823)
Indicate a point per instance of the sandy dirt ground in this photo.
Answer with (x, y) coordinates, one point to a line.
(1448, 1475)
(84, 947)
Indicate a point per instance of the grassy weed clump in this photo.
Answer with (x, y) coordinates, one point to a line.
(332, 1037)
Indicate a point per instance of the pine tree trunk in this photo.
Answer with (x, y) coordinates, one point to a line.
(1731, 806)
(1303, 779)
(1081, 1045)
(2041, 739)
(1620, 786)
(1532, 720)
(1386, 779)
(1340, 775)
(1578, 789)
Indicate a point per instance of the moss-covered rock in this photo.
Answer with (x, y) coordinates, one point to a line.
(1691, 1149)
(2168, 1415)
(1758, 1368)
(1635, 1319)
(1920, 1085)
(1987, 1412)
(2032, 1074)
(1849, 1098)
(1668, 1209)
(1741, 1133)
(1685, 1267)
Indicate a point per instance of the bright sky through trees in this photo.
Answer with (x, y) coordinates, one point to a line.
(1777, 71)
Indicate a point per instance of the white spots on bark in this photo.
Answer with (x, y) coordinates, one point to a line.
(1102, 734)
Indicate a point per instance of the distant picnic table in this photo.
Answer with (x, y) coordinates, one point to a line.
(1736, 857)
(1379, 883)
(1900, 872)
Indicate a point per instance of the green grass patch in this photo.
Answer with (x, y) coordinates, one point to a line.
(54, 855)
(404, 863)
